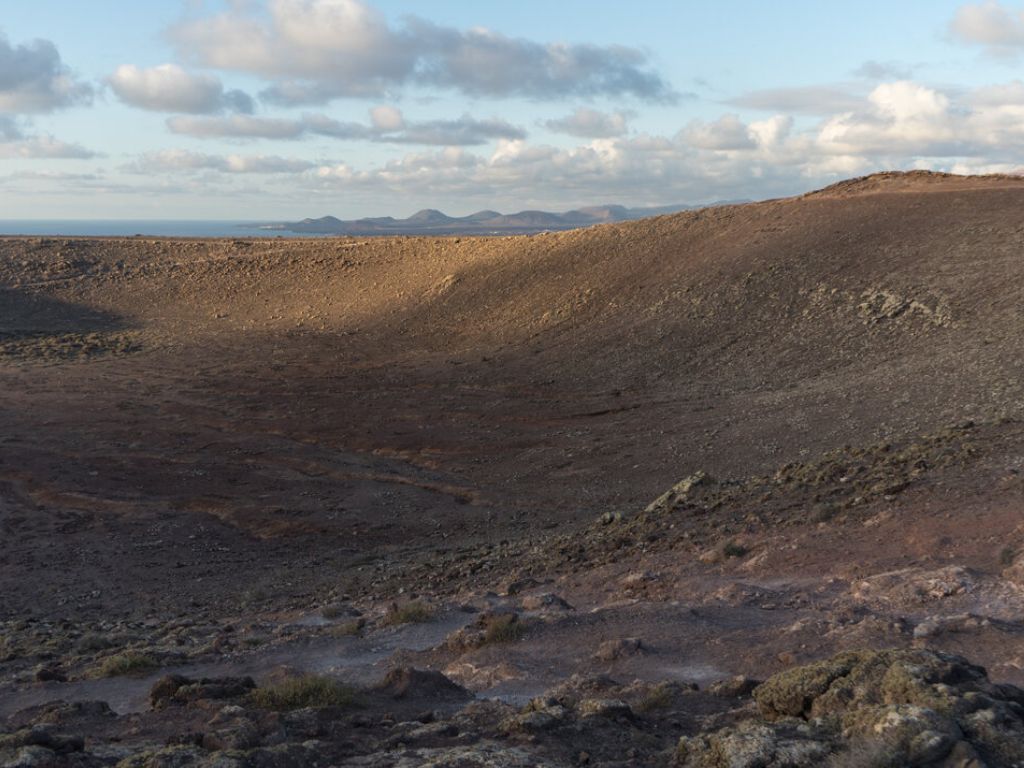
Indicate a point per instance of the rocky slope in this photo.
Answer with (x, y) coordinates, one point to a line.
(604, 481)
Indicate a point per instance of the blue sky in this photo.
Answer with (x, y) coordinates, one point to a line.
(287, 108)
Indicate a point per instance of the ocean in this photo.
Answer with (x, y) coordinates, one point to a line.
(130, 227)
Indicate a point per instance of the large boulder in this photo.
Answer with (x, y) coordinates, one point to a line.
(411, 683)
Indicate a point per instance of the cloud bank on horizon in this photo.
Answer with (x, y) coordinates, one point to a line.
(298, 107)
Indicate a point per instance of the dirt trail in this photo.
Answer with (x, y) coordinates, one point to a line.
(359, 660)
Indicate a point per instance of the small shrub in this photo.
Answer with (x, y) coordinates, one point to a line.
(302, 692)
(732, 549)
(93, 642)
(410, 613)
(1006, 556)
(335, 611)
(658, 697)
(255, 597)
(348, 628)
(9, 649)
(126, 663)
(504, 628)
(824, 514)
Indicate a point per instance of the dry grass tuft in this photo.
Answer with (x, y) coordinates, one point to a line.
(302, 692)
(409, 613)
(126, 663)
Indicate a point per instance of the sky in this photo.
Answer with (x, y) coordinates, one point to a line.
(282, 109)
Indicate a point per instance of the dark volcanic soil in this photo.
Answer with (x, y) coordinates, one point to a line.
(233, 457)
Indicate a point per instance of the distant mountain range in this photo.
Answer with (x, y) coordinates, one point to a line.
(433, 222)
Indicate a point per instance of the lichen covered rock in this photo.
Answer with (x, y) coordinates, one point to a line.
(910, 707)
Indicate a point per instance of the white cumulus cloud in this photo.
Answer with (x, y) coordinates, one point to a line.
(182, 160)
(990, 24)
(728, 132)
(591, 124)
(44, 147)
(898, 124)
(387, 118)
(313, 51)
(169, 88)
(387, 125)
(33, 78)
(237, 126)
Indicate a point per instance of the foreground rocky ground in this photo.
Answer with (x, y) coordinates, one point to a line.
(641, 639)
(738, 487)
(869, 708)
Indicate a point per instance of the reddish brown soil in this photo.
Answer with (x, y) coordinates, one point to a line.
(241, 429)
